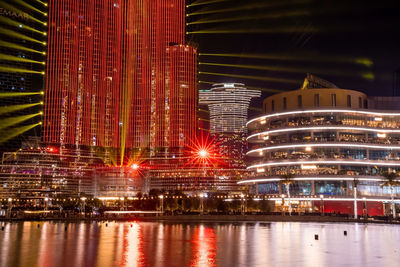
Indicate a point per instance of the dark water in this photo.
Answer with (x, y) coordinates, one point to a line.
(202, 244)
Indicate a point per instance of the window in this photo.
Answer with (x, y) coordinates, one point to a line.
(284, 103)
(300, 101)
(265, 107)
(349, 101)
(360, 102)
(272, 105)
(333, 97)
(316, 100)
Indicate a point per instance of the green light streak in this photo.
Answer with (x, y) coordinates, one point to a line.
(270, 90)
(8, 109)
(19, 47)
(250, 77)
(13, 132)
(199, 3)
(311, 57)
(3, 95)
(16, 10)
(22, 3)
(18, 59)
(249, 7)
(19, 36)
(4, 123)
(307, 29)
(19, 25)
(243, 18)
(9, 69)
(365, 75)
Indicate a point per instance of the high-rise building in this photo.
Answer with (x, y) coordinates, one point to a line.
(22, 53)
(228, 104)
(120, 75)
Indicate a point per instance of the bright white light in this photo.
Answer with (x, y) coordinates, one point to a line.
(378, 119)
(203, 153)
(161, 196)
(321, 196)
(241, 195)
(83, 198)
(308, 167)
(381, 135)
(9, 199)
(308, 148)
(260, 170)
(135, 166)
(46, 199)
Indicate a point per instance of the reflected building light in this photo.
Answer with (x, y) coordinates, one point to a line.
(308, 167)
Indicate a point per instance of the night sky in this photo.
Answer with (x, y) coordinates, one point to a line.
(327, 38)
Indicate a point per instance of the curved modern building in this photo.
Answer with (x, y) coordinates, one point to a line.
(326, 138)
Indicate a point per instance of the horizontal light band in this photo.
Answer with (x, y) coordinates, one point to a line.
(324, 162)
(319, 199)
(323, 111)
(335, 199)
(258, 150)
(342, 178)
(324, 128)
(131, 212)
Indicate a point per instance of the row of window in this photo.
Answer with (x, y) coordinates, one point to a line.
(316, 102)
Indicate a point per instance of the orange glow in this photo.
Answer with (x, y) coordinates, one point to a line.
(203, 152)
(204, 246)
(133, 254)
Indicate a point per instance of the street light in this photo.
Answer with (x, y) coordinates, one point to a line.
(365, 212)
(283, 203)
(322, 204)
(162, 203)
(201, 195)
(9, 206)
(46, 201)
(242, 202)
(83, 205)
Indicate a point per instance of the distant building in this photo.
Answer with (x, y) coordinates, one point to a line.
(228, 104)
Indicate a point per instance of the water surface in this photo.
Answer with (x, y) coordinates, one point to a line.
(198, 244)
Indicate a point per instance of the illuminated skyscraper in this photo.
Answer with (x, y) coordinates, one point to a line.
(119, 75)
(228, 104)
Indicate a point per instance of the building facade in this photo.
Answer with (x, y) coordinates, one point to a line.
(120, 75)
(22, 53)
(228, 104)
(328, 142)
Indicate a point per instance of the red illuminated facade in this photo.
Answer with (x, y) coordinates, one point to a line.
(119, 75)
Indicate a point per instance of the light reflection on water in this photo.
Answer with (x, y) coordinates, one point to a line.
(198, 244)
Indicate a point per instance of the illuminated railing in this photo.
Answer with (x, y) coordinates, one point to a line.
(327, 162)
(322, 111)
(256, 152)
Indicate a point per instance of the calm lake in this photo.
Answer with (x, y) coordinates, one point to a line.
(198, 244)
